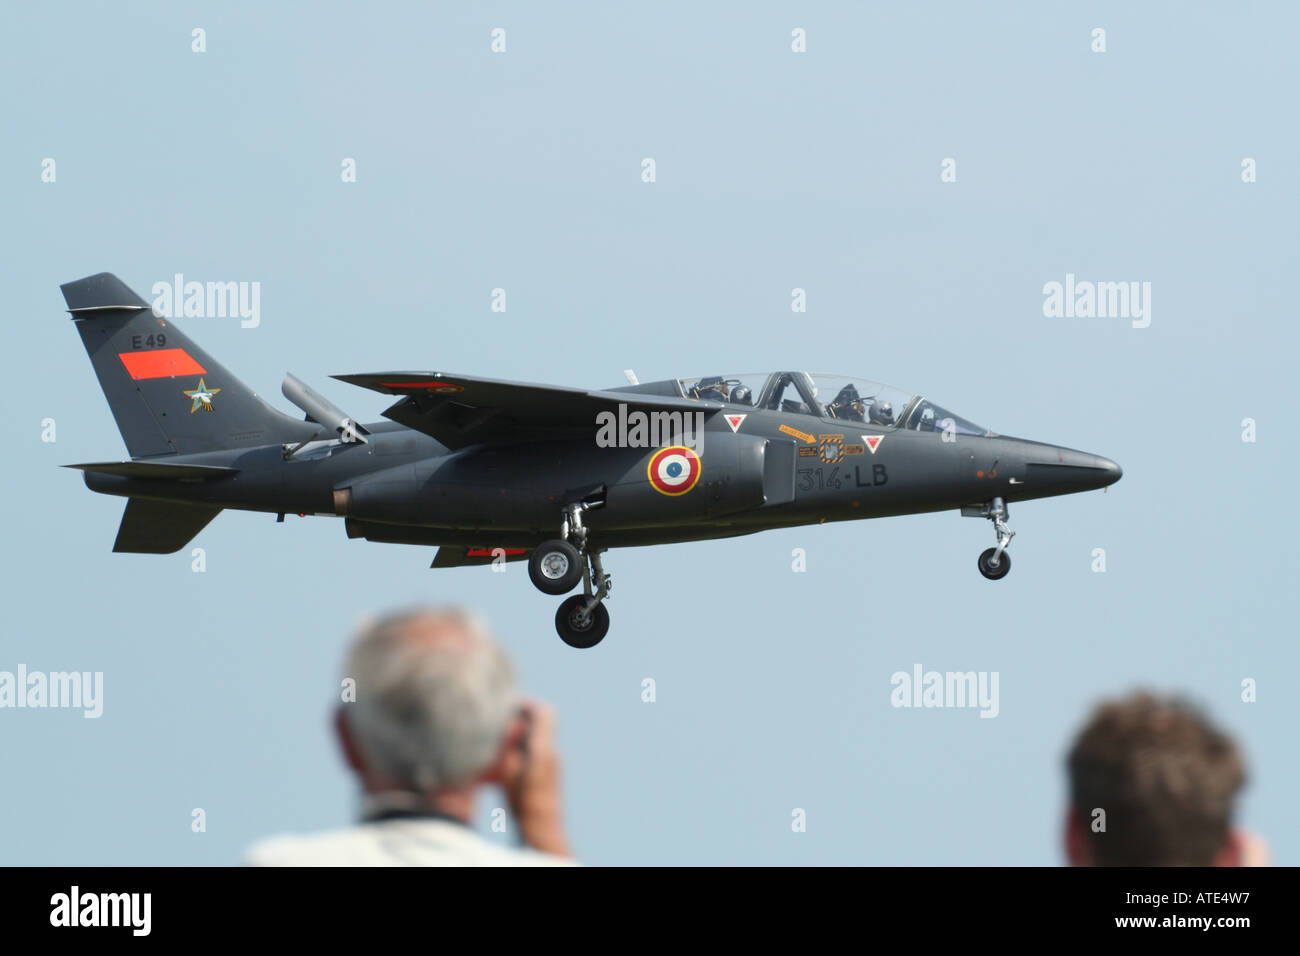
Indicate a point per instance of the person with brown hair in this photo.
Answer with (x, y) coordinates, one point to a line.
(1153, 783)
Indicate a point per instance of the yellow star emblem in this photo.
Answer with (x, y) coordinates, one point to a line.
(201, 396)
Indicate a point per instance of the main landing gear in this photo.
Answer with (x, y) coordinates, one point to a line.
(556, 566)
(995, 562)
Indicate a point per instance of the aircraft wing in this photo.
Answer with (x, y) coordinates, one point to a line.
(459, 410)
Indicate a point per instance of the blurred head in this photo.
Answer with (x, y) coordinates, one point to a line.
(435, 702)
(1167, 780)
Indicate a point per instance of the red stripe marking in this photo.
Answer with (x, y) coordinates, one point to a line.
(487, 552)
(160, 363)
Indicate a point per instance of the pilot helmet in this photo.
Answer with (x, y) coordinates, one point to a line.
(882, 413)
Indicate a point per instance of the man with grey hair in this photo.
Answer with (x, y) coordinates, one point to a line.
(435, 718)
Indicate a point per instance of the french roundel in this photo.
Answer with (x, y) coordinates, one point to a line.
(674, 470)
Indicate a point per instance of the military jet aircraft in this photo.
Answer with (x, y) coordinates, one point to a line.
(492, 471)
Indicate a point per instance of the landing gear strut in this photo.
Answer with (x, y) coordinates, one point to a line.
(583, 620)
(995, 562)
(556, 566)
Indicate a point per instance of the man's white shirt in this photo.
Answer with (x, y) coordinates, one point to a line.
(397, 842)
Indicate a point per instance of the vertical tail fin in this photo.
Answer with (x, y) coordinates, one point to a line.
(167, 395)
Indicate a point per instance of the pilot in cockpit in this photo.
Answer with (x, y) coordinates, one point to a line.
(881, 413)
(719, 389)
(710, 388)
(848, 405)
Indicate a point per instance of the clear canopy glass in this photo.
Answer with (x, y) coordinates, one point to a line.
(860, 400)
(838, 397)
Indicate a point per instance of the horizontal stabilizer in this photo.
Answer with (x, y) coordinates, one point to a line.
(158, 470)
(458, 556)
(160, 527)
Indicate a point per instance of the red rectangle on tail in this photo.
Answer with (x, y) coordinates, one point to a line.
(160, 363)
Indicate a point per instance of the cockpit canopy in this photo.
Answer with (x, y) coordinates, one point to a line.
(837, 397)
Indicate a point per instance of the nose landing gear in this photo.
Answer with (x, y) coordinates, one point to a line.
(556, 566)
(994, 563)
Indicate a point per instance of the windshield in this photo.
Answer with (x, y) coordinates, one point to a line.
(929, 417)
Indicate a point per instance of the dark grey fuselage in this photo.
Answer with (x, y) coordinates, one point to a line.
(403, 486)
(475, 463)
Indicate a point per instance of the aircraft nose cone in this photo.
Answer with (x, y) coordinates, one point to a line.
(1069, 470)
(1111, 471)
(1100, 471)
